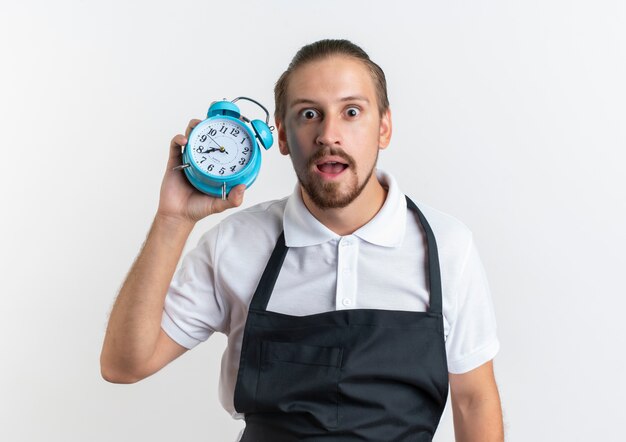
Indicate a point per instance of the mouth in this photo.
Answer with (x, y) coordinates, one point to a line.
(331, 167)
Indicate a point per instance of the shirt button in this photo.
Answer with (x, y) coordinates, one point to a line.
(346, 271)
(346, 302)
(346, 243)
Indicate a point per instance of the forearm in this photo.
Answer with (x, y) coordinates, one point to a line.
(479, 421)
(135, 319)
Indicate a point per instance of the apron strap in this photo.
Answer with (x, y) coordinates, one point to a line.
(434, 274)
(266, 285)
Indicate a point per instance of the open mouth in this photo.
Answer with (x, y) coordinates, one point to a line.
(331, 167)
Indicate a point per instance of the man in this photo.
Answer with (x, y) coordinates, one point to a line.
(348, 310)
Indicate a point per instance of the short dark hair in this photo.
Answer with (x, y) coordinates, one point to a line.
(323, 49)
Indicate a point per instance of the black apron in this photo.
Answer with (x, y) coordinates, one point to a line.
(346, 375)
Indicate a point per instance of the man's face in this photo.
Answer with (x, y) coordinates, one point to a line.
(333, 130)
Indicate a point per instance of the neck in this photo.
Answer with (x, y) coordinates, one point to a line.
(347, 220)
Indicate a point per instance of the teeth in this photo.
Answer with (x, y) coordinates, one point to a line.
(332, 163)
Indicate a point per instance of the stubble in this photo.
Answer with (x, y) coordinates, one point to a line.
(328, 195)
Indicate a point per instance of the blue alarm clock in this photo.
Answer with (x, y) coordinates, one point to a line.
(222, 150)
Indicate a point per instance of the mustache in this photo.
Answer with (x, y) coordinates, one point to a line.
(332, 151)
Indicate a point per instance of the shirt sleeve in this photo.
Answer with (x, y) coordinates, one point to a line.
(193, 310)
(472, 339)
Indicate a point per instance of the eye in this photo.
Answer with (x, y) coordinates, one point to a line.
(353, 111)
(309, 114)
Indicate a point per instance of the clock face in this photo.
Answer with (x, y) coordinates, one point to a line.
(221, 147)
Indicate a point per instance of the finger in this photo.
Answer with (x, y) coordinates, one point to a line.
(234, 199)
(193, 123)
(236, 194)
(176, 144)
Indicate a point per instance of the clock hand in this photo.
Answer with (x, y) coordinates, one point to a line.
(222, 149)
(216, 143)
(211, 149)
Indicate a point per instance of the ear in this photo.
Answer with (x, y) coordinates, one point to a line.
(384, 136)
(282, 136)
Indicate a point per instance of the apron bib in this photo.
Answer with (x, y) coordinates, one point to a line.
(347, 375)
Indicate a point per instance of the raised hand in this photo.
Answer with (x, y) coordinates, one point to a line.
(179, 200)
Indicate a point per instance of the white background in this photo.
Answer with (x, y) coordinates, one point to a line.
(508, 115)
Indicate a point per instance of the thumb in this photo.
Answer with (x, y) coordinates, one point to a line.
(234, 199)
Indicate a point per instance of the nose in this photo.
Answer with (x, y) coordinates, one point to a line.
(329, 132)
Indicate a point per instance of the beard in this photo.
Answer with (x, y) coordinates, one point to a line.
(328, 195)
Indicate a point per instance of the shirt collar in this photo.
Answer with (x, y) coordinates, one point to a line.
(385, 229)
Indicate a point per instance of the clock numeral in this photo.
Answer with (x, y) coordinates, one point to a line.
(199, 149)
(203, 138)
(210, 168)
(222, 170)
(212, 132)
(242, 160)
(244, 139)
(203, 159)
(223, 129)
(246, 150)
(232, 168)
(234, 132)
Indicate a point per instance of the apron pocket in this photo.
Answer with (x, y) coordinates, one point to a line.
(297, 378)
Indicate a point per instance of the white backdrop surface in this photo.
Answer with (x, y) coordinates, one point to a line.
(508, 115)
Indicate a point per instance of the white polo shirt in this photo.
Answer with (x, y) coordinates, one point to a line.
(380, 266)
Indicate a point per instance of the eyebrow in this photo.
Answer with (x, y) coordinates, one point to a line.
(309, 101)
